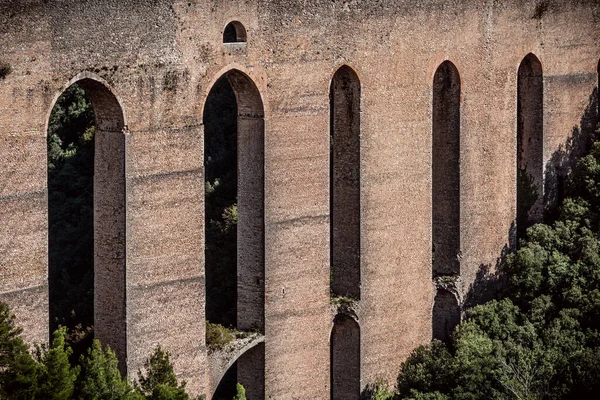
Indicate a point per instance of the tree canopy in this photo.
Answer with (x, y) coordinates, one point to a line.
(541, 338)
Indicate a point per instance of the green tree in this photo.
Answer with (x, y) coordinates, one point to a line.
(158, 380)
(101, 378)
(18, 370)
(541, 340)
(56, 376)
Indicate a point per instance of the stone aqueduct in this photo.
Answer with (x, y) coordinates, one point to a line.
(433, 106)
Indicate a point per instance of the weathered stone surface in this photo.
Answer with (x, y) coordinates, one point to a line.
(160, 60)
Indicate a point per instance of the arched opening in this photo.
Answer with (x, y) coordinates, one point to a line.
(234, 214)
(446, 315)
(345, 183)
(226, 388)
(345, 359)
(446, 171)
(530, 144)
(86, 213)
(234, 32)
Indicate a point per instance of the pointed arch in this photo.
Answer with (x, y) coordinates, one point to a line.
(345, 359)
(109, 215)
(530, 143)
(223, 365)
(345, 182)
(241, 170)
(446, 170)
(234, 32)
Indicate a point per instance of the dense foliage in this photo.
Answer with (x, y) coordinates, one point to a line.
(49, 373)
(541, 338)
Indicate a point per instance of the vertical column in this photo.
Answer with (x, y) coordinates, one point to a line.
(250, 229)
(251, 233)
(110, 323)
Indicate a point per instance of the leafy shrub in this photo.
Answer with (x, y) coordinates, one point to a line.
(379, 390)
(241, 392)
(217, 336)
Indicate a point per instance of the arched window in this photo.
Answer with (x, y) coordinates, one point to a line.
(86, 212)
(345, 359)
(446, 170)
(234, 216)
(234, 33)
(345, 183)
(530, 143)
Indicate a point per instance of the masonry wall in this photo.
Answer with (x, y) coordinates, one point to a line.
(161, 59)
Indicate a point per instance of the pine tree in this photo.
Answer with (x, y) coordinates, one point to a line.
(101, 379)
(56, 378)
(18, 370)
(159, 381)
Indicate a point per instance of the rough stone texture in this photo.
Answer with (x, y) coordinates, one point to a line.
(161, 58)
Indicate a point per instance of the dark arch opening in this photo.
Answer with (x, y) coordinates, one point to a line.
(234, 33)
(234, 215)
(345, 183)
(345, 359)
(446, 170)
(226, 389)
(86, 213)
(446, 315)
(530, 144)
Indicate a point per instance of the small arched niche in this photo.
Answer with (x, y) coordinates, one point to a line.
(234, 32)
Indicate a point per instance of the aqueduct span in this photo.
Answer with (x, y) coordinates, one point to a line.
(369, 132)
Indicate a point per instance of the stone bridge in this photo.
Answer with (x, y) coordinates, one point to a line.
(379, 145)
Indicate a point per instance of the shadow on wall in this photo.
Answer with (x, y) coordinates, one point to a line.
(489, 281)
(560, 165)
